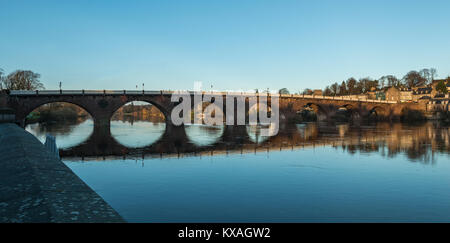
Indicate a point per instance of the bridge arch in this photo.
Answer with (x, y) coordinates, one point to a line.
(377, 112)
(125, 100)
(319, 110)
(352, 110)
(60, 119)
(140, 118)
(23, 111)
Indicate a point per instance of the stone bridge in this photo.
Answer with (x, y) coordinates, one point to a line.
(101, 105)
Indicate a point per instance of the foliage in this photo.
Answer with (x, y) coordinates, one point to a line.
(283, 91)
(441, 87)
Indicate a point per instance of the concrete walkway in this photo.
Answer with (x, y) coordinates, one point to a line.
(35, 186)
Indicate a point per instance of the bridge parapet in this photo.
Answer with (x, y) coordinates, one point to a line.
(167, 92)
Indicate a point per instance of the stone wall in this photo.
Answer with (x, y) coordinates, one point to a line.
(35, 186)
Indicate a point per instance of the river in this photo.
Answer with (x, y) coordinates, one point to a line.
(310, 172)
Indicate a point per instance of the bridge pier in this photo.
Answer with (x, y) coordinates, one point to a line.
(235, 134)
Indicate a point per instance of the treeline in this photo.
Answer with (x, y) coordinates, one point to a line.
(353, 86)
(138, 112)
(20, 80)
(57, 112)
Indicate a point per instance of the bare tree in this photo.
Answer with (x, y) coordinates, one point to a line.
(327, 91)
(1, 79)
(334, 88)
(366, 84)
(426, 74)
(351, 85)
(413, 79)
(433, 73)
(342, 88)
(391, 80)
(22, 80)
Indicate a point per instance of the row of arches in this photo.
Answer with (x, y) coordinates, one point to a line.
(73, 125)
(348, 112)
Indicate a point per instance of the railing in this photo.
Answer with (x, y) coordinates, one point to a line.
(163, 92)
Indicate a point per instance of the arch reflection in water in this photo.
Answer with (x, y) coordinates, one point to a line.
(137, 134)
(308, 130)
(203, 135)
(67, 134)
(137, 124)
(68, 123)
(255, 134)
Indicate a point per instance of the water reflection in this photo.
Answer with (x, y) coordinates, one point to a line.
(68, 134)
(203, 135)
(418, 143)
(311, 172)
(143, 133)
(255, 134)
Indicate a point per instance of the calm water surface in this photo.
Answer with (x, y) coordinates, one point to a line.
(324, 173)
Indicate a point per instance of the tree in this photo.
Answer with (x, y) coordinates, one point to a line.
(433, 73)
(307, 91)
(441, 87)
(351, 86)
(1, 79)
(342, 89)
(414, 79)
(283, 91)
(327, 91)
(334, 88)
(390, 80)
(22, 80)
(366, 84)
(426, 74)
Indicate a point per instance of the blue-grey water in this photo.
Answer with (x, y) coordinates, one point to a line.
(334, 173)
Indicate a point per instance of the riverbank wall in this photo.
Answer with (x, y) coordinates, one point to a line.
(35, 186)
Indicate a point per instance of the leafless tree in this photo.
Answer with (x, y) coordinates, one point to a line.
(327, 91)
(22, 80)
(433, 73)
(413, 79)
(334, 88)
(351, 85)
(1, 79)
(342, 88)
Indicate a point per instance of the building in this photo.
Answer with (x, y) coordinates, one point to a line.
(423, 92)
(380, 95)
(399, 94)
(317, 92)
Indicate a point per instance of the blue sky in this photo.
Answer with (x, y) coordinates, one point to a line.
(230, 44)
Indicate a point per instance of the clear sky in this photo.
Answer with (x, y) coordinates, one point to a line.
(231, 44)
